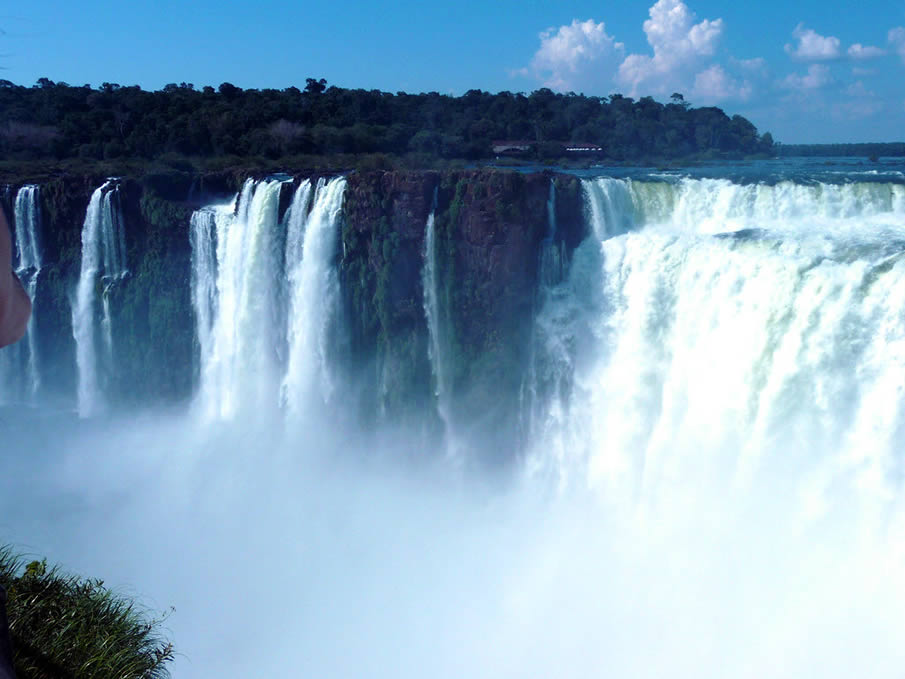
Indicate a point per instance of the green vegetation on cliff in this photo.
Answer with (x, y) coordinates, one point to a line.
(488, 226)
(182, 127)
(65, 626)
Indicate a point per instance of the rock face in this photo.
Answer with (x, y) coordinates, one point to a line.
(489, 226)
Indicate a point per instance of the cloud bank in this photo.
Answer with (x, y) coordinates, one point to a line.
(812, 46)
(693, 56)
(860, 52)
(818, 76)
(582, 54)
(897, 41)
(565, 53)
(678, 44)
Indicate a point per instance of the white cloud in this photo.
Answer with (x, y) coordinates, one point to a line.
(817, 76)
(858, 70)
(569, 53)
(857, 108)
(582, 56)
(812, 46)
(714, 84)
(897, 40)
(857, 89)
(757, 66)
(678, 44)
(859, 51)
(862, 104)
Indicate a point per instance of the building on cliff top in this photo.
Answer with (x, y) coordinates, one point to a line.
(502, 147)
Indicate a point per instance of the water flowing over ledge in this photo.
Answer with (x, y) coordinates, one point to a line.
(693, 390)
(733, 328)
(20, 366)
(278, 307)
(264, 295)
(103, 265)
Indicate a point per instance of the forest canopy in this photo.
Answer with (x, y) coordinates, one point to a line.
(55, 121)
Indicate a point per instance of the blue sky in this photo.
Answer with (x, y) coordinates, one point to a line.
(807, 71)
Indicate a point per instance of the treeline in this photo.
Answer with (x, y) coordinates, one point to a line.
(56, 121)
(827, 150)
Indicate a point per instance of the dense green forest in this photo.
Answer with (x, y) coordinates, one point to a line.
(835, 150)
(181, 124)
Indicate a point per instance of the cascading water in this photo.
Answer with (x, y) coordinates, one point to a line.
(27, 218)
(20, 372)
(736, 333)
(551, 254)
(245, 325)
(239, 367)
(104, 264)
(551, 268)
(313, 296)
(721, 364)
(28, 269)
(435, 325)
(204, 227)
(113, 249)
(296, 220)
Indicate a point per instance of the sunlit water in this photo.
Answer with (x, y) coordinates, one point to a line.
(20, 366)
(103, 266)
(711, 485)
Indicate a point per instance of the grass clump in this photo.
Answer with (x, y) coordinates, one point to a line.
(65, 626)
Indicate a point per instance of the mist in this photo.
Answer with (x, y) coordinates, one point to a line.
(282, 561)
(708, 481)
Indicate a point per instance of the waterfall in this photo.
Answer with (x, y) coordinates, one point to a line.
(27, 224)
(20, 369)
(236, 328)
(618, 206)
(28, 268)
(551, 210)
(296, 220)
(610, 204)
(550, 271)
(733, 334)
(203, 229)
(113, 249)
(264, 303)
(711, 483)
(313, 297)
(435, 326)
(83, 311)
(104, 266)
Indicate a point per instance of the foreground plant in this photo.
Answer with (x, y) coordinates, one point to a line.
(65, 626)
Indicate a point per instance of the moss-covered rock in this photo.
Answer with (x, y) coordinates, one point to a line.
(489, 225)
(383, 255)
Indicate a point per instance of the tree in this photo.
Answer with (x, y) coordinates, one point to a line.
(228, 90)
(313, 86)
(58, 121)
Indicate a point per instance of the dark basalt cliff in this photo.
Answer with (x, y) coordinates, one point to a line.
(489, 227)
